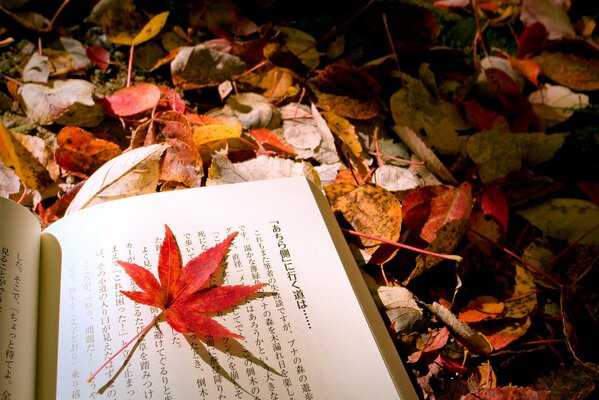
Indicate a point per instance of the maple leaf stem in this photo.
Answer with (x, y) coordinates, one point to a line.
(404, 246)
(133, 339)
(130, 65)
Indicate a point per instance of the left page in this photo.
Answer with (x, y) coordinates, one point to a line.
(19, 265)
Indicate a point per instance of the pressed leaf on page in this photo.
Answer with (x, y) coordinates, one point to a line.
(183, 292)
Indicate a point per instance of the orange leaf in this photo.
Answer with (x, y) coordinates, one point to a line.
(80, 153)
(270, 140)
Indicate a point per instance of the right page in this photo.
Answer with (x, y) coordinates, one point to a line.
(313, 334)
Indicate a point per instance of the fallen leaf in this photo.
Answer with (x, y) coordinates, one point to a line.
(345, 131)
(300, 43)
(80, 153)
(498, 154)
(529, 68)
(483, 377)
(372, 210)
(435, 121)
(66, 102)
(16, 156)
(416, 206)
(250, 109)
(346, 90)
(184, 294)
(455, 203)
(132, 100)
(501, 333)
(99, 56)
(9, 180)
(270, 141)
(555, 104)
(395, 178)
(223, 171)
(200, 66)
(58, 209)
(131, 34)
(553, 17)
(181, 163)
(531, 40)
(485, 119)
(494, 204)
(523, 300)
(132, 173)
(570, 219)
(481, 308)
(37, 69)
(575, 71)
(400, 306)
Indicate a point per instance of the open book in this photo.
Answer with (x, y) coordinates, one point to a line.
(315, 334)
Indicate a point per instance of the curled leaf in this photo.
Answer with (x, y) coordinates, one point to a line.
(132, 173)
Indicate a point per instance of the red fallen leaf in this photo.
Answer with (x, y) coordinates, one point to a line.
(58, 209)
(269, 140)
(416, 206)
(591, 189)
(494, 204)
(171, 99)
(456, 203)
(484, 119)
(502, 82)
(531, 40)
(80, 153)
(180, 290)
(99, 56)
(182, 162)
(132, 100)
(183, 292)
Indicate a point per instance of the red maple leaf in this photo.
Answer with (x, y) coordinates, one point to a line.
(183, 293)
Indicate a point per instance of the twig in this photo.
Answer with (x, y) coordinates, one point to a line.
(404, 246)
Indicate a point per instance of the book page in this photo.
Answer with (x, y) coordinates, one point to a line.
(304, 338)
(19, 264)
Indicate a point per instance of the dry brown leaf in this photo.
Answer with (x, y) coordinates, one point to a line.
(132, 173)
(401, 307)
(222, 171)
(435, 121)
(499, 154)
(578, 72)
(66, 102)
(201, 66)
(372, 210)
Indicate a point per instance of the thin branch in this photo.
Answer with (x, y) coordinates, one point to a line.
(404, 246)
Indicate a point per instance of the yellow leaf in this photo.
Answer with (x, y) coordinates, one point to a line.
(209, 133)
(130, 37)
(372, 210)
(152, 28)
(15, 156)
(343, 129)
